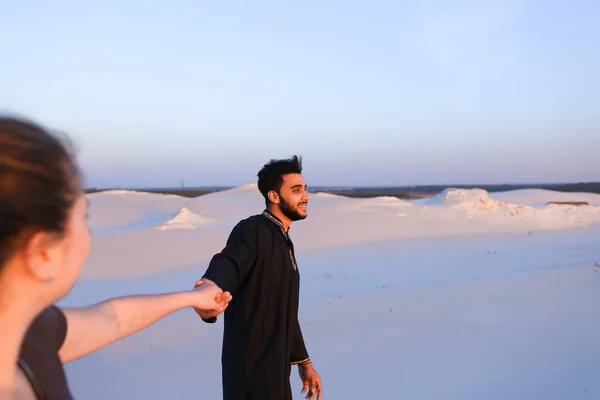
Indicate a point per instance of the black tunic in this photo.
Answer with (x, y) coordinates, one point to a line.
(262, 337)
(39, 358)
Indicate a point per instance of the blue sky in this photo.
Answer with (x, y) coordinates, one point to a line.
(370, 93)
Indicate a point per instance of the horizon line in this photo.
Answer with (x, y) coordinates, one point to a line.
(447, 185)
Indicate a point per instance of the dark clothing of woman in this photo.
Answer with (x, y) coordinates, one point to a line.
(39, 355)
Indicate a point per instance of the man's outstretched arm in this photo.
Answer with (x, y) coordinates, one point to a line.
(228, 268)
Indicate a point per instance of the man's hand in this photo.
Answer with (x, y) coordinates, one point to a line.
(222, 299)
(310, 380)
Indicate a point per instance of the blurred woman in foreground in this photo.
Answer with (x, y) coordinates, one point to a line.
(44, 241)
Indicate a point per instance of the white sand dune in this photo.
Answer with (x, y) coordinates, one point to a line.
(229, 206)
(467, 295)
(541, 197)
(471, 199)
(125, 210)
(184, 219)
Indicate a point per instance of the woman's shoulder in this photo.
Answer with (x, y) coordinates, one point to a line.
(39, 353)
(50, 326)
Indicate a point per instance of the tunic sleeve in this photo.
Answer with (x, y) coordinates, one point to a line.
(229, 267)
(299, 353)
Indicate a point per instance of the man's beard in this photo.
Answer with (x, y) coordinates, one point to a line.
(287, 210)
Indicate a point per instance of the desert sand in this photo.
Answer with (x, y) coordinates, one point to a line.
(466, 295)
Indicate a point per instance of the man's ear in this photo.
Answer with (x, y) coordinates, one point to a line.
(273, 197)
(39, 253)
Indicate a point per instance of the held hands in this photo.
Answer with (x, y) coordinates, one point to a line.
(311, 381)
(213, 301)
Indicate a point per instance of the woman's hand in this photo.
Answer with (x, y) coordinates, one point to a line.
(209, 299)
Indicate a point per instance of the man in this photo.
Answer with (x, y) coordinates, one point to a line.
(262, 338)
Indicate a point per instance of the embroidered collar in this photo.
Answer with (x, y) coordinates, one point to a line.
(285, 234)
(274, 219)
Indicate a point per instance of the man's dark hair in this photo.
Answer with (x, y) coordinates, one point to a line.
(270, 177)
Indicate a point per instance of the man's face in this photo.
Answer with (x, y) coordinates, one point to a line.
(293, 197)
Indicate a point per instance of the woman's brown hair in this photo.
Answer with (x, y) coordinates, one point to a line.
(39, 182)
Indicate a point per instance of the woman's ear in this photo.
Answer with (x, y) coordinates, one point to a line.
(40, 254)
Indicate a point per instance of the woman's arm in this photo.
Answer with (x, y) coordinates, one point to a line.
(94, 327)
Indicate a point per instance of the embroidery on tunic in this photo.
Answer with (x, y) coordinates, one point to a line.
(285, 235)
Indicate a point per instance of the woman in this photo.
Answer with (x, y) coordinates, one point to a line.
(44, 241)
